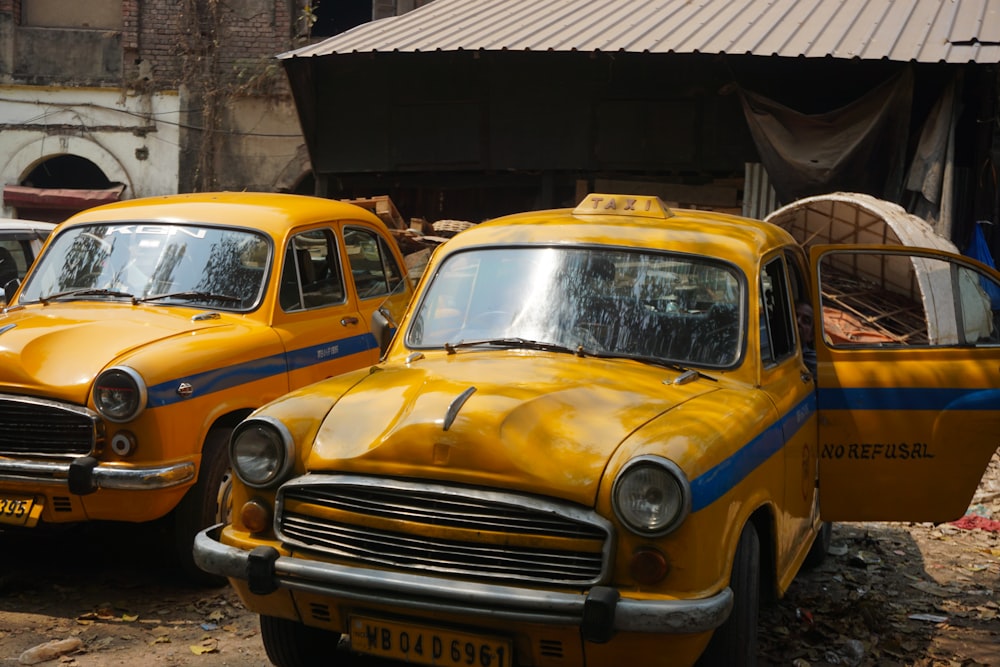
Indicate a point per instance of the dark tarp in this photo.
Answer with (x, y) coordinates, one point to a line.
(859, 147)
(931, 179)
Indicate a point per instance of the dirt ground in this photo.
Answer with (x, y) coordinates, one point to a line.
(889, 594)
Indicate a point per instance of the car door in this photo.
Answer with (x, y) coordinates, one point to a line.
(908, 350)
(316, 312)
(377, 272)
(790, 388)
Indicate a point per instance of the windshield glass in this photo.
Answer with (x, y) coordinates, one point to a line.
(165, 263)
(676, 308)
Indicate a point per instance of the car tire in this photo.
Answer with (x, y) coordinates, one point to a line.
(820, 546)
(291, 644)
(203, 506)
(735, 641)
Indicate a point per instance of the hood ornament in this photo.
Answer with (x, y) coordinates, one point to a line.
(456, 405)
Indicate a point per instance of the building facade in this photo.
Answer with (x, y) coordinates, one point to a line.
(118, 99)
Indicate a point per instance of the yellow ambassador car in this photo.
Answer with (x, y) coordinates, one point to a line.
(595, 440)
(147, 329)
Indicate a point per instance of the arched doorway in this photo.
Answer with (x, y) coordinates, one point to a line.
(60, 186)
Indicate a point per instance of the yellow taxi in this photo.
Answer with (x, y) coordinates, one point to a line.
(597, 439)
(147, 329)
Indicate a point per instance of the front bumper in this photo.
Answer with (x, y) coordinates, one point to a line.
(85, 475)
(599, 613)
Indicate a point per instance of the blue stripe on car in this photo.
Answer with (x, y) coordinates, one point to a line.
(711, 486)
(220, 379)
(910, 398)
(715, 483)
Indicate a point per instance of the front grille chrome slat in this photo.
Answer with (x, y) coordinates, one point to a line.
(425, 527)
(41, 427)
(445, 511)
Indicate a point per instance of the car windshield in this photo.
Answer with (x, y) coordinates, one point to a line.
(655, 306)
(158, 263)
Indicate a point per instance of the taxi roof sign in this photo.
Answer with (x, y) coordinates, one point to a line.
(648, 206)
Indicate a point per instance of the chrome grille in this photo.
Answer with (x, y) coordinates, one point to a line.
(462, 531)
(40, 427)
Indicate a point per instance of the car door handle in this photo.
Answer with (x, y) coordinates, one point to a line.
(350, 320)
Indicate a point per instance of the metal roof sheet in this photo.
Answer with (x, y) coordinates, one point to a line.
(952, 31)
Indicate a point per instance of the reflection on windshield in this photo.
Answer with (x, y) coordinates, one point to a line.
(678, 308)
(202, 266)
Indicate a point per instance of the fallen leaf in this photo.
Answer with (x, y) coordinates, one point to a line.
(933, 589)
(207, 645)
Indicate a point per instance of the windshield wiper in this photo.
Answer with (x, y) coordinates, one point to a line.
(516, 343)
(672, 365)
(85, 291)
(192, 295)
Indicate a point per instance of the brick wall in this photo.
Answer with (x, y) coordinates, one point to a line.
(182, 40)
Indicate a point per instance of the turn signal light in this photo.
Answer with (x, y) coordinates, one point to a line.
(648, 566)
(255, 516)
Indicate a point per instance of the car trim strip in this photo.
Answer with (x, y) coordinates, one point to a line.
(719, 480)
(105, 477)
(219, 379)
(909, 398)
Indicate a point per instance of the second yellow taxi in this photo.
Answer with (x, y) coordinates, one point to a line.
(598, 438)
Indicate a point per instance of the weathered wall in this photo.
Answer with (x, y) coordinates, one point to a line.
(182, 95)
(262, 143)
(83, 57)
(98, 14)
(130, 138)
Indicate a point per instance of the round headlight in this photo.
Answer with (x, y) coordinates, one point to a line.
(119, 394)
(651, 496)
(261, 452)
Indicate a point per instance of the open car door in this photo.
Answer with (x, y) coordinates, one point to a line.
(908, 381)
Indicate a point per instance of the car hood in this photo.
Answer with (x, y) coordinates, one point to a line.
(528, 421)
(57, 351)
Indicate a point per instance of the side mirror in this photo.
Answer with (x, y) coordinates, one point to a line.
(383, 328)
(8, 290)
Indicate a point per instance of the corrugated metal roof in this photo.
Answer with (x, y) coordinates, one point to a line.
(953, 31)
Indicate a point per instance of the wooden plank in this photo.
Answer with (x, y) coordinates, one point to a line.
(382, 206)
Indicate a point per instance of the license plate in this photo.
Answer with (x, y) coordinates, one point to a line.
(19, 511)
(422, 645)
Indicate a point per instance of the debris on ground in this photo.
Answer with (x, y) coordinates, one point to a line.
(914, 595)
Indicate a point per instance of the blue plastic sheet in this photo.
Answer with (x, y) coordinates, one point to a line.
(978, 249)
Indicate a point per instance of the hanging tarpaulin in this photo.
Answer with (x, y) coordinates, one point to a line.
(978, 249)
(931, 176)
(859, 147)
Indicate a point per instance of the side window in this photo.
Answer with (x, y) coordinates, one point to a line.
(373, 266)
(15, 256)
(777, 322)
(311, 276)
(904, 298)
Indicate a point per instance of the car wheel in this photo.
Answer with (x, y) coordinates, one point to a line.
(735, 641)
(203, 505)
(291, 644)
(820, 546)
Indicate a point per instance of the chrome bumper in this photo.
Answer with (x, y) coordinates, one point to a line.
(85, 475)
(599, 612)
